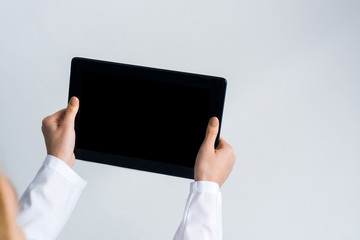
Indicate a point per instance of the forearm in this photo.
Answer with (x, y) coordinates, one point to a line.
(202, 216)
(48, 202)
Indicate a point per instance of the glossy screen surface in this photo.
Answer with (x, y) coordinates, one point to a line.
(142, 118)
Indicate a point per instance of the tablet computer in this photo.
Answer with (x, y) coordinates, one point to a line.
(143, 118)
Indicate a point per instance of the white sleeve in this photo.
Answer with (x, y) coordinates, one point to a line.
(202, 216)
(49, 200)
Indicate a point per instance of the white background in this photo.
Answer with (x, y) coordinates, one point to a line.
(292, 110)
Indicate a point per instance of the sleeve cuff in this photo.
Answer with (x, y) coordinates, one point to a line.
(204, 186)
(62, 168)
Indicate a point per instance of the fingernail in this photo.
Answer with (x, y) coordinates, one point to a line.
(74, 101)
(214, 121)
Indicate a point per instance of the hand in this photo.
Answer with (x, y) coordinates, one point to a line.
(214, 165)
(59, 133)
(9, 228)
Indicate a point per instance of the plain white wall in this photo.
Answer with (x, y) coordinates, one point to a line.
(292, 109)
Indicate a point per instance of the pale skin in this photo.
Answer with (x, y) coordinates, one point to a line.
(213, 165)
(10, 202)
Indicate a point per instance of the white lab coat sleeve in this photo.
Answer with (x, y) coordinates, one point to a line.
(49, 200)
(202, 218)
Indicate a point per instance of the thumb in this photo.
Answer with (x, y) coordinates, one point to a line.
(71, 111)
(211, 132)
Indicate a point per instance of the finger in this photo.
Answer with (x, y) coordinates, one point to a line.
(222, 143)
(59, 115)
(71, 111)
(53, 121)
(211, 132)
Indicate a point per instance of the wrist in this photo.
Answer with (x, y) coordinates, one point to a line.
(206, 178)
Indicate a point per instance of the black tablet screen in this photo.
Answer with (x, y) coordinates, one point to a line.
(145, 119)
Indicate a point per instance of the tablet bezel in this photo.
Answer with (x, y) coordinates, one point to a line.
(80, 65)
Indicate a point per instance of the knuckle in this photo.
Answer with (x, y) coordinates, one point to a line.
(230, 150)
(70, 109)
(233, 159)
(45, 122)
(212, 132)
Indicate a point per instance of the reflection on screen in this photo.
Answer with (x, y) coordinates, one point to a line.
(142, 118)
